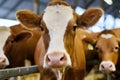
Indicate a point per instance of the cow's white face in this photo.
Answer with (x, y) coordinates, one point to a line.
(56, 18)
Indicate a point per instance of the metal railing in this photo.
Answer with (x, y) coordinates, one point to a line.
(19, 71)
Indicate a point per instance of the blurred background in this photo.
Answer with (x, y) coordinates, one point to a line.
(110, 19)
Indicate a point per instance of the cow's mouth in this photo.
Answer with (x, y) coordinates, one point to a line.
(58, 72)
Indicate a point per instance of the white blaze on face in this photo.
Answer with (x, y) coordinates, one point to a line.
(4, 33)
(56, 18)
(107, 36)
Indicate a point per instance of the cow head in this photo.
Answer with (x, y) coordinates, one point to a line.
(107, 47)
(58, 23)
(20, 42)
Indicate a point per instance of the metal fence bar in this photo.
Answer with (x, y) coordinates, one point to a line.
(19, 71)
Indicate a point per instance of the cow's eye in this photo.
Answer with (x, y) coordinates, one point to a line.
(116, 48)
(41, 28)
(74, 27)
(96, 48)
(12, 40)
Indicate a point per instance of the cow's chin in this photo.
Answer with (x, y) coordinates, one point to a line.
(58, 72)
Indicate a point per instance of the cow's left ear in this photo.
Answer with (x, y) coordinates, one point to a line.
(22, 36)
(90, 17)
(27, 18)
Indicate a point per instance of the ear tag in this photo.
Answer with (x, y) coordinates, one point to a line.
(67, 68)
(90, 47)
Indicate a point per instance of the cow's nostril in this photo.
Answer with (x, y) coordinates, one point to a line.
(62, 58)
(2, 60)
(110, 66)
(102, 66)
(48, 59)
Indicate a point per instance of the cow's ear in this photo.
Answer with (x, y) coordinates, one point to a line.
(91, 38)
(90, 17)
(22, 36)
(27, 18)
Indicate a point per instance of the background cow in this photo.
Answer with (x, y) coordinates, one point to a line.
(60, 44)
(4, 33)
(107, 49)
(20, 45)
(19, 48)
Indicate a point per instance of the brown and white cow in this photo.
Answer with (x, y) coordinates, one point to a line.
(107, 49)
(4, 33)
(20, 45)
(60, 45)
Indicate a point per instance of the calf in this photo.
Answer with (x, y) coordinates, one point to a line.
(59, 46)
(4, 33)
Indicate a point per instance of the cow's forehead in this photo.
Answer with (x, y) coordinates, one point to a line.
(57, 17)
(107, 40)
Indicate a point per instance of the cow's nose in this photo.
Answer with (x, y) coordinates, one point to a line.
(107, 66)
(56, 60)
(2, 62)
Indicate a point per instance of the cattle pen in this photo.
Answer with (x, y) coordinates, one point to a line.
(19, 71)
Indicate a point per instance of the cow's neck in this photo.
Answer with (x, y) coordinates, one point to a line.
(118, 62)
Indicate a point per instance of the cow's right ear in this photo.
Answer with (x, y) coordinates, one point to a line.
(27, 18)
(22, 36)
(90, 17)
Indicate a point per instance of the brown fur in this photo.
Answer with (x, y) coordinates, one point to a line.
(59, 2)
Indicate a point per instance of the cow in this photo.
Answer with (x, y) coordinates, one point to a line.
(4, 33)
(19, 48)
(106, 46)
(20, 45)
(59, 46)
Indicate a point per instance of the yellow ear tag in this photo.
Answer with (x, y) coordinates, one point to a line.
(90, 47)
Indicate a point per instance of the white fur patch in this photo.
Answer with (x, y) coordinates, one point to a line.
(56, 19)
(106, 36)
(88, 31)
(4, 33)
